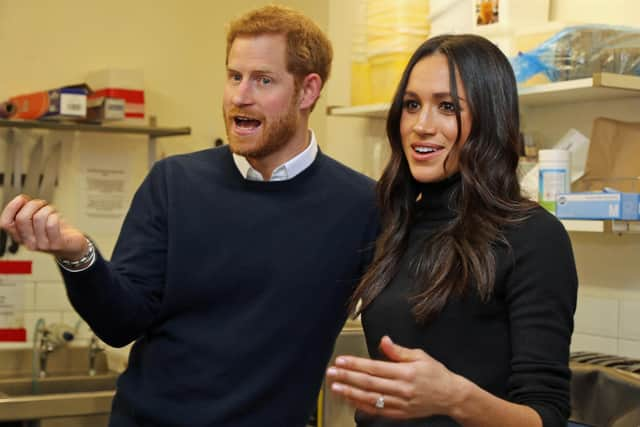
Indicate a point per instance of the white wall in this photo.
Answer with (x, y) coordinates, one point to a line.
(618, 12)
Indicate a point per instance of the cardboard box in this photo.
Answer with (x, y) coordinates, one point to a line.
(66, 102)
(100, 109)
(598, 205)
(124, 84)
(133, 100)
(613, 159)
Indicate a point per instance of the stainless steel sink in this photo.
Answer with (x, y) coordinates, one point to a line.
(58, 384)
(67, 391)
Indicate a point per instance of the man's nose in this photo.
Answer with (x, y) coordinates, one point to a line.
(242, 94)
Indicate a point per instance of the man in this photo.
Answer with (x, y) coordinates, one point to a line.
(233, 266)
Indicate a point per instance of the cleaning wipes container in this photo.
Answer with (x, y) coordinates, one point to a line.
(554, 176)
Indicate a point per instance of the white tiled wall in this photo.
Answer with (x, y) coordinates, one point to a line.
(629, 348)
(594, 343)
(46, 300)
(597, 316)
(606, 321)
(630, 319)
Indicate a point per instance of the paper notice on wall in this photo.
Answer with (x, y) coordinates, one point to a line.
(104, 195)
(105, 189)
(11, 305)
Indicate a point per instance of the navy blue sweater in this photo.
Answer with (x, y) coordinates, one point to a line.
(233, 290)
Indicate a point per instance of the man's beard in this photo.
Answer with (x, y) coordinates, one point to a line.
(275, 135)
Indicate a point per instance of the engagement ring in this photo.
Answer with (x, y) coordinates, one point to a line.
(380, 402)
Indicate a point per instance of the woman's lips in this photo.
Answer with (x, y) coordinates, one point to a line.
(425, 151)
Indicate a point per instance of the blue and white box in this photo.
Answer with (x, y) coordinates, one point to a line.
(600, 205)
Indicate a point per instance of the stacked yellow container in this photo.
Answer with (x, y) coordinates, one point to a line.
(360, 72)
(394, 29)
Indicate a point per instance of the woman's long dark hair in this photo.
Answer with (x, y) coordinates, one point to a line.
(489, 197)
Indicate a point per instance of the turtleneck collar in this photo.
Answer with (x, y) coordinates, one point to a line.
(435, 203)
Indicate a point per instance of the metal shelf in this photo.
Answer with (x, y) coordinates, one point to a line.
(156, 132)
(152, 132)
(604, 226)
(590, 226)
(599, 87)
(373, 111)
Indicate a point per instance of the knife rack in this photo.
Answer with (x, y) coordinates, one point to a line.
(152, 131)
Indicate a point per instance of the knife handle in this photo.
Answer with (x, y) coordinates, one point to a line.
(14, 246)
(3, 242)
(7, 109)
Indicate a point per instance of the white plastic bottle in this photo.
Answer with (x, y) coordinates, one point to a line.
(554, 176)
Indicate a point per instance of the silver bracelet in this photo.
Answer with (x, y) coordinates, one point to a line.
(76, 264)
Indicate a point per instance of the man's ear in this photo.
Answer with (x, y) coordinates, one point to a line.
(310, 90)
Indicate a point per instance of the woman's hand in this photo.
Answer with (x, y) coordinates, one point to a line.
(411, 385)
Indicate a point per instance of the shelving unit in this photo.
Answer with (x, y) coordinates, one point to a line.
(600, 86)
(373, 111)
(153, 132)
(595, 226)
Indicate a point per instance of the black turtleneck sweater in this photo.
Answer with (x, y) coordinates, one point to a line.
(515, 346)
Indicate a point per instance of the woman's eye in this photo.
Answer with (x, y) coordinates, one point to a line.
(411, 105)
(449, 107)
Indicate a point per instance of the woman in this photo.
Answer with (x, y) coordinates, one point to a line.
(468, 305)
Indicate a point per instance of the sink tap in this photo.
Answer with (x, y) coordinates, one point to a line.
(46, 347)
(46, 340)
(94, 349)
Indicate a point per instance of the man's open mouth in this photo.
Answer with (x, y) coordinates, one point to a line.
(245, 122)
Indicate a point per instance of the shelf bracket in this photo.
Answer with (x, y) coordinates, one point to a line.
(152, 143)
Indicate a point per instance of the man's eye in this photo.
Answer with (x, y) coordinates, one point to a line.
(235, 77)
(265, 80)
(411, 105)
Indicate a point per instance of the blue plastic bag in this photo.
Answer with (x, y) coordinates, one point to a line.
(579, 51)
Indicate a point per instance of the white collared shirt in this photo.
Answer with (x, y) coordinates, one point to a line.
(285, 171)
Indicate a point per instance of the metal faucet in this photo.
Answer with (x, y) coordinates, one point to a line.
(94, 349)
(46, 340)
(46, 347)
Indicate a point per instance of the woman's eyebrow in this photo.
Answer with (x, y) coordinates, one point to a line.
(437, 95)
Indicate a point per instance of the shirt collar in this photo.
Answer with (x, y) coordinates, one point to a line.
(285, 171)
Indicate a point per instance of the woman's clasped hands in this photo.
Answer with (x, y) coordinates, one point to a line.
(411, 384)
